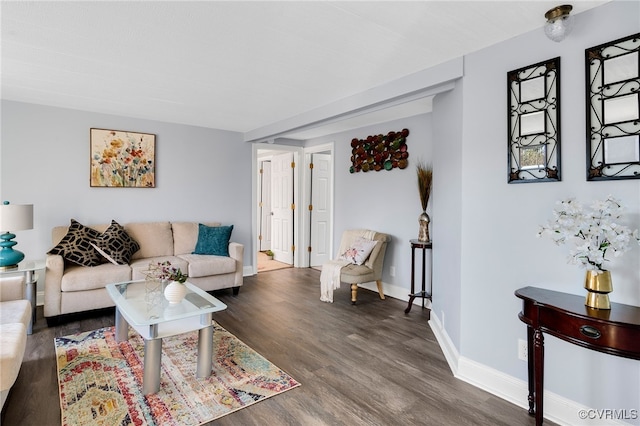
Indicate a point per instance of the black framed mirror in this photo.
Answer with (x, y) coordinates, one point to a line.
(534, 123)
(613, 109)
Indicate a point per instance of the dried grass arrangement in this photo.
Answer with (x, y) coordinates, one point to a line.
(425, 179)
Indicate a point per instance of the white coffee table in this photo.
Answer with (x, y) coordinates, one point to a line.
(141, 305)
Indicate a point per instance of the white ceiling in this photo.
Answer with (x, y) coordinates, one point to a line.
(240, 65)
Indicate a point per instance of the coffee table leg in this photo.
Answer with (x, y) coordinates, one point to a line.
(205, 352)
(122, 327)
(152, 358)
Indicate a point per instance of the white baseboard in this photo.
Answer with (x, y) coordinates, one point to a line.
(448, 348)
(557, 408)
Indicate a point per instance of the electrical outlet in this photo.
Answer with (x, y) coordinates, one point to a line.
(522, 350)
(392, 271)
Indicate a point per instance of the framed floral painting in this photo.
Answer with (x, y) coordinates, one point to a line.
(122, 159)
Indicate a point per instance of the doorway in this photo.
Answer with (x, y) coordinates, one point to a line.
(293, 204)
(275, 200)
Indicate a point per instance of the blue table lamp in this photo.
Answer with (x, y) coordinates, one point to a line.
(13, 217)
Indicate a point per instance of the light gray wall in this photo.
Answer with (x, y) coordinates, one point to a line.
(448, 204)
(500, 252)
(386, 201)
(201, 174)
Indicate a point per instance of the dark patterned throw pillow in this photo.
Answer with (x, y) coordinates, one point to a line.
(76, 247)
(116, 245)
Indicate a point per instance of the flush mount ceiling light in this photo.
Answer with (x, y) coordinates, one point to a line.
(559, 23)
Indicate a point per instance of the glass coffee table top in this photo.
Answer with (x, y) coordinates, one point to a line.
(143, 303)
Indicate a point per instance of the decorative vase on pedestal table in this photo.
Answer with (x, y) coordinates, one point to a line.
(598, 285)
(175, 292)
(423, 233)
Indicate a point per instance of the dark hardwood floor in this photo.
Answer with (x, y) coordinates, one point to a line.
(363, 364)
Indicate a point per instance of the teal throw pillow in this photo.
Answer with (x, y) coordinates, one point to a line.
(213, 240)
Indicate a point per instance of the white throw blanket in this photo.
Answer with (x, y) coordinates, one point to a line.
(330, 278)
(330, 274)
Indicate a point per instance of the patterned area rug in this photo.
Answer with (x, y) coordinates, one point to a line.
(100, 380)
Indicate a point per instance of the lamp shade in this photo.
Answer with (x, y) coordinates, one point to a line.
(16, 217)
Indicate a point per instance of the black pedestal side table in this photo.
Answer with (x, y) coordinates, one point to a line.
(424, 294)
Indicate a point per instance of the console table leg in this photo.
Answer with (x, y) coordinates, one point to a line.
(530, 371)
(538, 365)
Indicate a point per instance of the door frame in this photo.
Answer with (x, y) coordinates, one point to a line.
(257, 156)
(301, 197)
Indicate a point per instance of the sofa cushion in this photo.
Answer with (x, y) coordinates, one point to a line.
(213, 240)
(77, 278)
(15, 311)
(116, 245)
(75, 246)
(155, 239)
(13, 341)
(206, 265)
(11, 287)
(185, 236)
(356, 274)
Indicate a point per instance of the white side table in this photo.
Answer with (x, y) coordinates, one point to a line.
(28, 268)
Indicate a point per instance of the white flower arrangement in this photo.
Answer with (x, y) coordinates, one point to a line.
(595, 231)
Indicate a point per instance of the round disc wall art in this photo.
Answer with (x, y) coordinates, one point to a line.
(380, 152)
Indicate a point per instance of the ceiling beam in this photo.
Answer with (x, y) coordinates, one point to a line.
(414, 86)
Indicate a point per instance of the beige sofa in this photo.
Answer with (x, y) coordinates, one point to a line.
(15, 314)
(70, 288)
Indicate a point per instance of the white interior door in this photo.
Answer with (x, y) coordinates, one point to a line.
(282, 207)
(321, 209)
(265, 206)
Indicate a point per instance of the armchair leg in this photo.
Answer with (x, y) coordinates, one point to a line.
(354, 293)
(379, 282)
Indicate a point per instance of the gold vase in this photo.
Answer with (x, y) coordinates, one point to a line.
(598, 285)
(423, 232)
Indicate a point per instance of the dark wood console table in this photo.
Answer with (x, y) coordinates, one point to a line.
(424, 245)
(565, 316)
